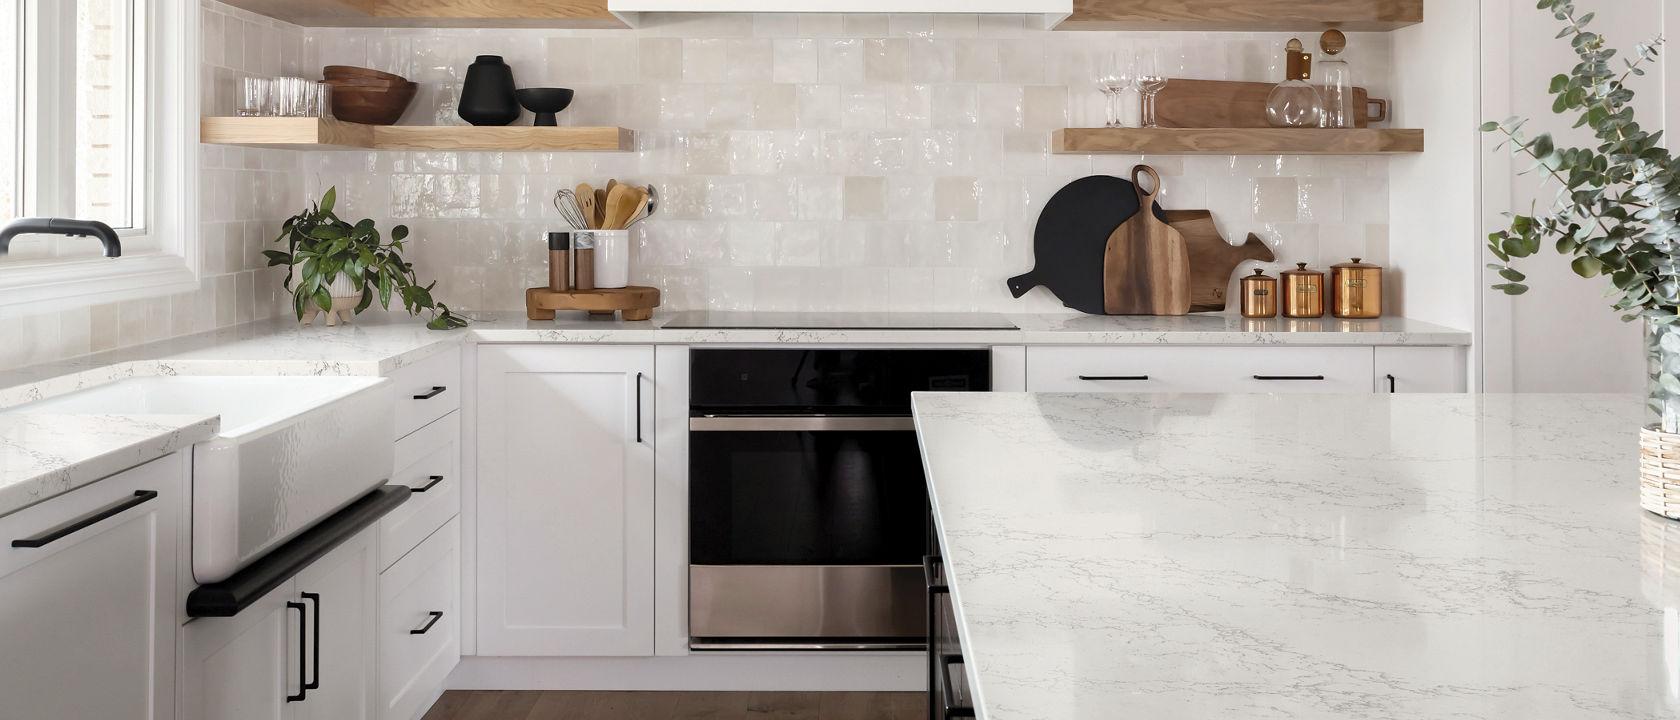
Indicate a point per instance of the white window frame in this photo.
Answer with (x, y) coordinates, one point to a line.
(168, 140)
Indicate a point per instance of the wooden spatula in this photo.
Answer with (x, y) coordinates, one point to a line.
(600, 208)
(621, 206)
(586, 203)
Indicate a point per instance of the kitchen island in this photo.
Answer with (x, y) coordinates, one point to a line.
(1303, 556)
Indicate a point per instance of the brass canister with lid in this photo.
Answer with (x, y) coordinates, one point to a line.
(1357, 290)
(1303, 292)
(1259, 295)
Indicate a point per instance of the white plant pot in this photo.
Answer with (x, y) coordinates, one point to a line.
(345, 297)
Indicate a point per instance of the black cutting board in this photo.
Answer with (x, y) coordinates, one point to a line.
(1072, 237)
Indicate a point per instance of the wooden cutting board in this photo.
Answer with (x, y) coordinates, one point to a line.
(1071, 237)
(1146, 266)
(1220, 104)
(1212, 260)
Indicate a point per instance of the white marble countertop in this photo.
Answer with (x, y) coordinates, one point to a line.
(1304, 556)
(46, 455)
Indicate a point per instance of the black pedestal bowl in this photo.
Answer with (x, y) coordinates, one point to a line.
(545, 102)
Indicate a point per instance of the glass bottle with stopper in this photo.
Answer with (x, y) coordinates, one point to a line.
(1336, 81)
(1295, 103)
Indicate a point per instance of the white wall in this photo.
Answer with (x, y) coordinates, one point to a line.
(1562, 336)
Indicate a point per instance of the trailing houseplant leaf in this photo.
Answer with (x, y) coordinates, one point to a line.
(321, 248)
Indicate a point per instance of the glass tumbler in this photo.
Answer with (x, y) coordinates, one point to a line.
(253, 97)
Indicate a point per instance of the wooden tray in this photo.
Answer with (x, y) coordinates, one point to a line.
(1220, 104)
(637, 303)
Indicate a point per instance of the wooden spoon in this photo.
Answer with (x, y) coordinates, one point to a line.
(600, 208)
(586, 203)
(620, 200)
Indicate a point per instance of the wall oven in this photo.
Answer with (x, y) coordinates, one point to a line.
(808, 504)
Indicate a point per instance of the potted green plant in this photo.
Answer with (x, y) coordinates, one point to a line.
(328, 258)
(1617, 215)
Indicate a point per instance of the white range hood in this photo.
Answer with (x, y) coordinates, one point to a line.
(1053, 10)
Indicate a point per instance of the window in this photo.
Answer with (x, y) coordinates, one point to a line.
(96, 99)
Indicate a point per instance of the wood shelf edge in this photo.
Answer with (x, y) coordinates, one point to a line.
(327, 134)
(1235, 141)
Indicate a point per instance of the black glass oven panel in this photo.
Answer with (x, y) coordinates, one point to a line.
(787, 381)
(806, 498)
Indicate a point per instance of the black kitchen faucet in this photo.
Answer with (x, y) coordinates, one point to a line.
(61, 226)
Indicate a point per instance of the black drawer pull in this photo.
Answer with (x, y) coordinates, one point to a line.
(952, 709)
(638, 407)
(930, 570)
(436, 391)
(1288, 377)
(435, 479)
(315, 647)
(436, 616)
(1114, 378)
(1391, 383)
(303, 639)
(141, 497)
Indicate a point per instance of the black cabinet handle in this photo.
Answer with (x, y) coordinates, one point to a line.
(436, 616)
(1113, 378)
(1288, 377)
(638, 407)
(930, 565)
(1391, 389)
(315, 646)
(140, 497)
(436, 391)
(435, 479)
(303, 629)
(952, 709)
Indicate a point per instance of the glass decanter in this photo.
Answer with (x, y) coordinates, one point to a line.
(1336, 81)
(1295, 103)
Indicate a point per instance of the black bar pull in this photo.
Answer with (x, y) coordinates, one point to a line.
(952, 709)
(1113, 378)
(435, 479)
(303, 628)
(1288, 377)
(638, 407)
(436, 391)
(1391, 389)
(316, 646)
(436, 616)
(140, 497)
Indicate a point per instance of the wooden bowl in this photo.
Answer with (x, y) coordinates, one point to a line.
(372, 105)
(349, 72)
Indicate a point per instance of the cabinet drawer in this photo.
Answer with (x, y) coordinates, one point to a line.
(1200, 369)
(427, 390)
(419, 625)
(429, 459)
(1420, 370)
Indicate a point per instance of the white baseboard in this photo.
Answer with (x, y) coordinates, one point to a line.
(874, 672)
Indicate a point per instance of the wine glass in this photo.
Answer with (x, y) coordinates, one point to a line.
(1151, 79)
(1112, 79)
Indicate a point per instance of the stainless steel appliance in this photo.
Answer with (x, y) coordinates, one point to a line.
(808, 504)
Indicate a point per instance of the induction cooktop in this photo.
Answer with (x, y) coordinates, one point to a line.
(708, 320)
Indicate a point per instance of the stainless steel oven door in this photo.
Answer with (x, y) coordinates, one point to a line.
(807, 607)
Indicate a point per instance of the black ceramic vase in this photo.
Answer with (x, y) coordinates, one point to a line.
(487, 96)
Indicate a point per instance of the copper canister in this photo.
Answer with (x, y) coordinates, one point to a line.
(559, 261)
(1303, 292)
(1259, 295)
(1357, 290)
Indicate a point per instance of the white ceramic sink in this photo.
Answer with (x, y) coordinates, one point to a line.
(291, 451)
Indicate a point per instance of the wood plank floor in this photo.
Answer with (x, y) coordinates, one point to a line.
(568, 705)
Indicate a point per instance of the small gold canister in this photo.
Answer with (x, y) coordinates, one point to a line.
(1357, 290)
(1259, 295)
(1303, 292)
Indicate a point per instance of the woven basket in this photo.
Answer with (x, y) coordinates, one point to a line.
(1659, 472)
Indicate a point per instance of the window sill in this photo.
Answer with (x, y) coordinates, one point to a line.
(26, 289)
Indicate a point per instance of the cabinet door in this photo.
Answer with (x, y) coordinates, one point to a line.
(1420, 370)
(87, 616)
(245, 667)
(565, 500)
(339, 590)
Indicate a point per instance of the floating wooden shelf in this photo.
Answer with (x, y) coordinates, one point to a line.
(1234, 141)
(325, 134)
(1243, 15)
(438, 13)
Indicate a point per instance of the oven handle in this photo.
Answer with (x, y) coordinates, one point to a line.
(801, 423)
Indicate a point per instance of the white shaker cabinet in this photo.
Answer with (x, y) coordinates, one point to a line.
(87, 599)
(303, 651)
(565, 500)
(1420, 370)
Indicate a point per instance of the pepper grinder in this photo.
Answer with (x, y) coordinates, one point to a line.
(559, 261)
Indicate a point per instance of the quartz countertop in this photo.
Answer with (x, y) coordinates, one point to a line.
(380, 343)
(46, 455)
(1304, 556)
